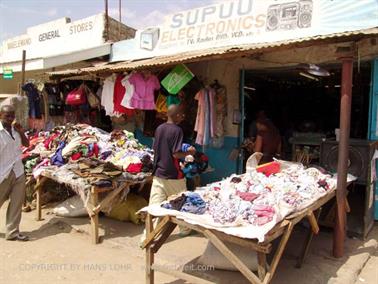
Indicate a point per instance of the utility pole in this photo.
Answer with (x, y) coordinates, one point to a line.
(120, 18)
(23, 70)
(106, 20)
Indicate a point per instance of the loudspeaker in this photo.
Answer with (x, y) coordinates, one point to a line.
(361, 197)
(360, 155)
(273, 18)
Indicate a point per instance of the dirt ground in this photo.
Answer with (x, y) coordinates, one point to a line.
(60, 251)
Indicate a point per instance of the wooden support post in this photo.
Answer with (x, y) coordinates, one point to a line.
(342, 164)
(313, 222)
(261, 269)
(232, 257)
(23, 71)
(94, 218)
(167, 231)
(106, 20)
(307, 242)
(278, 254)
(39, 206)
(159, 227)
(149, 253)
(38, 191)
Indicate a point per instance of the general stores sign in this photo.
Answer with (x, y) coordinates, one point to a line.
(56, 37)
(246, 22)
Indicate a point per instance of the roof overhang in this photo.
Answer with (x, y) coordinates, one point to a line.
(218, 53)
(59, 60)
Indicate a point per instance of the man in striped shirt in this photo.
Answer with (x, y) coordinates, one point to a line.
(12, 177)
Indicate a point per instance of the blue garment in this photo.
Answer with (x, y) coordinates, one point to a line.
(57, 158)
(185, 147)
(190, 170)
(194, 204)
(34, 100)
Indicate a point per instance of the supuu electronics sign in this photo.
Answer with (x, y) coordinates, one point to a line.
(246, 22)
(54, 38)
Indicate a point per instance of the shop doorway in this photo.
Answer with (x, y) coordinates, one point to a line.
(304, 107)
(306, 111)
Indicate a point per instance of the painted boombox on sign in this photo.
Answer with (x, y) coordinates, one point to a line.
(289, 16)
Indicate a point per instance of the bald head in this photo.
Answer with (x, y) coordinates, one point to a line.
(7, 115)
(175, 113)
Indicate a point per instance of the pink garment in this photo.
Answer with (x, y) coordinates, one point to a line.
(199, 126)
(143, 97)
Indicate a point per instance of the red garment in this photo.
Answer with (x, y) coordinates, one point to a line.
(48, 141)
(76, 156)
(95, 151)
(119, 93)
(134, 168)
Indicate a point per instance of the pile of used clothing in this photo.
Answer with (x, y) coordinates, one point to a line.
(255, 198)
(96, 151)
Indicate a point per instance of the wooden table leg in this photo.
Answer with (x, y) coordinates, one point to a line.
(149, 252)
(94, 218)
(307, 242)
(278, 254)
(38, 187)
(223, 249)
(261, 269)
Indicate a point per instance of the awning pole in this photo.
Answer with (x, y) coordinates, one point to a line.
(23, 71)
(342, 165)
(106, 20)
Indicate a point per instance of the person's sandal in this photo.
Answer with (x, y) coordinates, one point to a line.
(19, 237)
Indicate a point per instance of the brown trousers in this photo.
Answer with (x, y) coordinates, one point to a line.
(13, 188)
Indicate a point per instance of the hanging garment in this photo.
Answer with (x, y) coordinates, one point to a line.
(221, 110)
(206, 135)
(107, 94)
(119, 93)
(34, 100)
(161, 104)
(199, 126)
(143, 97)
(129, 92)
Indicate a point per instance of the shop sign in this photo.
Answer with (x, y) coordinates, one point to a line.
(234, 23)
(7, 73)
(57, 37)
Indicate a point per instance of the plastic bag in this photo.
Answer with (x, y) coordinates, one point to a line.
(127, 210)
(71, 207)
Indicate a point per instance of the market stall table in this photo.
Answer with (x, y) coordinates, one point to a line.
(88, 193)
(157, 237)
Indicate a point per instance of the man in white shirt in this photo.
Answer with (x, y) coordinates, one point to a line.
(12, 178)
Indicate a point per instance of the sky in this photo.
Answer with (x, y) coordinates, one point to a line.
(17, 15)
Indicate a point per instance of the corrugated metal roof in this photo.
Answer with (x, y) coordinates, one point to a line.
(198, 55)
